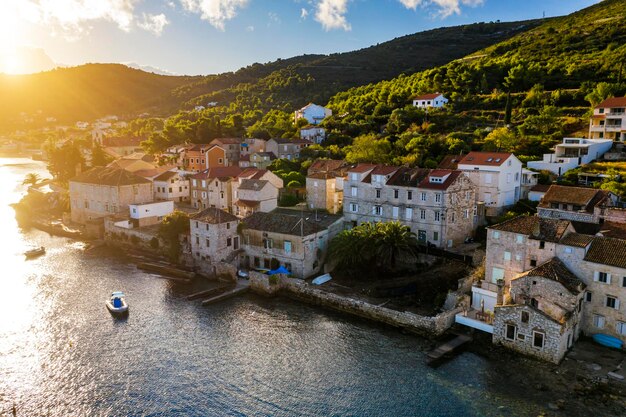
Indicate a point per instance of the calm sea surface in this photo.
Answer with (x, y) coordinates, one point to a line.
(62, 354)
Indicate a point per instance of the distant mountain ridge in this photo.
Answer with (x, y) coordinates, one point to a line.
(90, 91)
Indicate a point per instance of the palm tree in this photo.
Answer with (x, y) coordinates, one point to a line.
(395, 244)
(31, 179)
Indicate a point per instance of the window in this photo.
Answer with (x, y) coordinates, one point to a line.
(354, 208)
(542, 244)
(86, 204)
(220, 161)
(466, 214)
(227, 225)
(518, 257)
(314, 183)
(511, 330)
(602, 277)
(598, 321)
(496, 234)
(422, 214)
(437, 216)
(520, 238)
(468, 194)
(525, 316)
(568, 250)
(533, 262)
(623, 281)
(266, 263)
(207, 226)
(378, 193)
(287, 246)
(409, 195)
(409, 213)
(435, 236)
(396, 193)
(207, 243)
(508, 178)
(538, 338)
(236, 242)
(377, 210)
(197, 225)
(395, 212)
(496, 274)
(588, 296)
(612, 302)
(437, 198)
(353, 191)
(488, 179)
(197, 240)
(452, 217)
(194, 183)
(268, 243)
(229, 241)
(354, 176)
(620, 328)
(423, 196)
(507, 256)
(257, 262)
(509, 163)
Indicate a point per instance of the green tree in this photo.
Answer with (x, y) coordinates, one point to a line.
(31, 179)
(602, 91)
(368, 148)
(500, 140)
(98, 157)
(170, 229)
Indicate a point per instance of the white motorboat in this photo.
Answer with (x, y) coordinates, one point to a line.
(33, 253)
(117, 304)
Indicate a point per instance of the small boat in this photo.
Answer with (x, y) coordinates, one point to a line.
(117, 304)
(322, 279)
(607, 340)
(33, 253)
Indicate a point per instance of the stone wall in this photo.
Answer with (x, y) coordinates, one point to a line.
(300, 290)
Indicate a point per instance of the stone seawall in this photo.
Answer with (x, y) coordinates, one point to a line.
(300, 290)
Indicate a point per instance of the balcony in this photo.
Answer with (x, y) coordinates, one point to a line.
(485, 285)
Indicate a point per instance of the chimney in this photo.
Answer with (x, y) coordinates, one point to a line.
(500, 296)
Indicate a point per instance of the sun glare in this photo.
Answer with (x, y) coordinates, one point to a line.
(10, 35)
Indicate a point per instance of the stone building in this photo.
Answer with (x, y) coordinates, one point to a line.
(287, 148)
(296, 240)
(212, 187)
(261, 160)
(540, 315)
(254, 195)
(575, 203)
(324, 184)
(438, 205)
(171, 185)
(101, 191)
(231, 147)
(214, 237)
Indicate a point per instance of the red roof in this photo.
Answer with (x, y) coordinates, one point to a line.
(361, 168)
(427, 96)
(227, 140)
(485, 158)
(450, 161)
(219, 172)
(453, 175)
(612, 102)
(384, 169)
(252, 173)
(121, 141)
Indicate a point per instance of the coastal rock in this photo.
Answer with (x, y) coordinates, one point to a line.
(615, 375)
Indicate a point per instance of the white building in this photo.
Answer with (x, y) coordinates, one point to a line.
(425, 101)
(147, 214)
(497, 176)
(572, 153)
(314, 134)
(171, 185)
(313, 113)
(609, 120)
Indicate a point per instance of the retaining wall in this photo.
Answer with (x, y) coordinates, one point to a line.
(300, 290)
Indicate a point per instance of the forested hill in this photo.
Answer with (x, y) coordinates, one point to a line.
(94, 90)
(570, 52)
(83, 92)
(290, 83)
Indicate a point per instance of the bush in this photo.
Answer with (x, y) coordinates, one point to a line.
(273, 279)
(288, 200)
(294, 184)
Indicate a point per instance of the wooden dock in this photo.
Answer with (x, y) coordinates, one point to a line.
(448, 347)
(241, 288)
(169, 272)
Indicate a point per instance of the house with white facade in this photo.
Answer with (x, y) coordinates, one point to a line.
(212, 187)
(172, 185)
(425, 101)
(609, 120)
(313, 134)
(529, 180)
(148, 214)
(313, 113)
(437, 205)
(572, 153)
(254, 195)
(213, 236)
(497, 176)
(295, 240)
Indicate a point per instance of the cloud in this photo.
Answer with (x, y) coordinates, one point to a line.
(446, 7)
(250, 29)
(332, 14)
(154, 23)
(216, 12)
(304, 13)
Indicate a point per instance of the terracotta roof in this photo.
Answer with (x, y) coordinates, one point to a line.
(214, 215)
(293, 141)
(109, 176)
(453, 175)
(252, 173)
(218, 172)
(485, 158)
(247, 203)
(427, 96)
(326, 165)
(293, 224)
(585, 197)
(450, 162)
(119, 141)
(613, 229)
(323, 175)
(612, 102)
(150, 173)
(555, 270)
(362, 168)
(253, 185)
(384, 169)
(229, 141)
(199, 147)
(538, 228)
(540, 188)
(599, 116)
(607, 251)
(167, 175)
(577, 240)
(408, 177)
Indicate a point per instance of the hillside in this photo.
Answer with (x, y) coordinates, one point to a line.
(90, 91)
(84, 92)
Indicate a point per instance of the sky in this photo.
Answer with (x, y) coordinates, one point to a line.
(213, 36)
